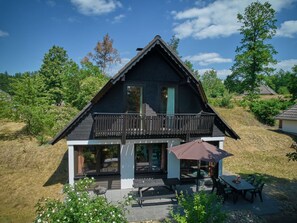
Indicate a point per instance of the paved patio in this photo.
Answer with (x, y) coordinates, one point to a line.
(159, 209)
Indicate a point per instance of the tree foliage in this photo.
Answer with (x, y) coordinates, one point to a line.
(104, 54)
(212, 85)
(292, 86)
(199, 208)
(55, 62)
(254, 56)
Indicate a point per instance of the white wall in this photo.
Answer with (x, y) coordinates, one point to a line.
(127, 165)
(173, 164)
(221, 146)
(71, 164)
(289, 126)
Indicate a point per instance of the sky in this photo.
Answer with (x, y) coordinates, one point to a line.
(208, 30)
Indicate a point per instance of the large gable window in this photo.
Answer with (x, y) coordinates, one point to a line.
(134, 99)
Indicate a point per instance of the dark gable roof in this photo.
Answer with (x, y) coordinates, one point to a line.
(121, 74)
(289, 114)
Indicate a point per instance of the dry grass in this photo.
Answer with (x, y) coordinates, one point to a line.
(29, 172)
(262, 150)
(25, 170)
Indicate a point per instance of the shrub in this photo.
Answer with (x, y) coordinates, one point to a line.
(199, 208)
(78, 206)
(266, 110)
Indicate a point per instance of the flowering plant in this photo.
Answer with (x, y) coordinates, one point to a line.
(79, 206)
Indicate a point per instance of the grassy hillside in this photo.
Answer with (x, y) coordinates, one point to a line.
(29, 171)
(262, 150)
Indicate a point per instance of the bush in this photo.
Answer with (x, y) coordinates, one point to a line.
(78, 206)
(199, 208)
(266, 110)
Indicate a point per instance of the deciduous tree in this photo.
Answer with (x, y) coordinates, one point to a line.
(104, 54)
(254, 56)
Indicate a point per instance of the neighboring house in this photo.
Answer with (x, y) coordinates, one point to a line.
(152, 103)
(264, 90)
(288, 120)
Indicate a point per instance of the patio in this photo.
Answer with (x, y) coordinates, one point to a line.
(159, 208)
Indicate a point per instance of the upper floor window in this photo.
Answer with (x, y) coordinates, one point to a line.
(134, 99)
(168, 100)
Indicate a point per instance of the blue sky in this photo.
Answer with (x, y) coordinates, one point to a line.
(208, 30)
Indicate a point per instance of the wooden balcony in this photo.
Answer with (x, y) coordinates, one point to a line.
(131, 126)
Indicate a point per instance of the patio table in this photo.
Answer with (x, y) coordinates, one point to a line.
(144, 185)
(240, 188)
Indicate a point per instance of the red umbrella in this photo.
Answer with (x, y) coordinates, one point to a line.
(199, 150)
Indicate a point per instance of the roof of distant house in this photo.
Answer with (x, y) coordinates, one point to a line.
(289, 114)
(266, 90)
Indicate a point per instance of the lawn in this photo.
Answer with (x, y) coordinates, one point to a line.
(29, 171)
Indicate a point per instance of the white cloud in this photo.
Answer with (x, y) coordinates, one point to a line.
(204, 59)
(3, 33)
(222, 74)
(285, 65)
(287, 29)
(217, 19)
(96, 7)
(118, 19)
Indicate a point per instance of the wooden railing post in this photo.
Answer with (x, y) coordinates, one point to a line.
(124, 129)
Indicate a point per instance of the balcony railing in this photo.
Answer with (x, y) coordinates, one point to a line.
(141, 126)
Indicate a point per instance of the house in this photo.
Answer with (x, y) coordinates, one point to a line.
(264, 90)
(288, 120)
(152, 103)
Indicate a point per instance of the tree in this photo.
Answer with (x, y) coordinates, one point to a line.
(52, 70)
(212, 85)
(104, 54)
(173, 44)
(254, 55)
(292, 86)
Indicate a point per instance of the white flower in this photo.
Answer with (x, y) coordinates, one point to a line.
(39, 220)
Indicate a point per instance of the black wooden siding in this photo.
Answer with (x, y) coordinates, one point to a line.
(153, 72)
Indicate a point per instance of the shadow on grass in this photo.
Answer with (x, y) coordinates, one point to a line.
(61, 173)
(9, 136)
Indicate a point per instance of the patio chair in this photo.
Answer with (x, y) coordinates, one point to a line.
(250, 179)
(258, 190)
(99, 190)
(223, 190)
(214, 184)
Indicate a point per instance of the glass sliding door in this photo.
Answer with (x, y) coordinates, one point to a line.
(97, 160)
(150, 158)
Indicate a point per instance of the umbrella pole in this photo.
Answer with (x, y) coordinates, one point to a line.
(198, 175)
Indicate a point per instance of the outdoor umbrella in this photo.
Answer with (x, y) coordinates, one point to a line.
(199, 150)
